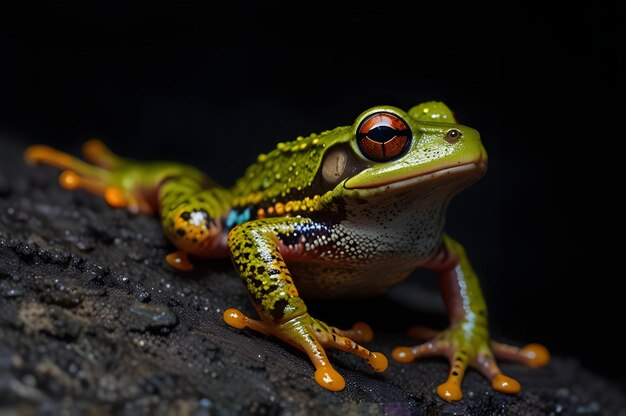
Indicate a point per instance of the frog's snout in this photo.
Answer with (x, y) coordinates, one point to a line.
(482, 161)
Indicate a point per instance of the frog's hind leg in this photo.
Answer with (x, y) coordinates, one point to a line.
(77, 174)
(97, 153)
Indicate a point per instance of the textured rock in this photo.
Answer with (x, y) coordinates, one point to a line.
(92, 321)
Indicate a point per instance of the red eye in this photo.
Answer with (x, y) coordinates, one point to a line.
(383, 136)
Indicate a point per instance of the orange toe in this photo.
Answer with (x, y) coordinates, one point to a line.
(179, 261)
(505, 384)
(330, 379)
(536, 355)
(403, 354)
(115, 198)
(365, 331)
(450, 391)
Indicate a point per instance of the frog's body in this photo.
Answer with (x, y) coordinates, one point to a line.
(346, 213)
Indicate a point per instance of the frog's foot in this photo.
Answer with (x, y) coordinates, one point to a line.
(463, 351)
(531, 355)
(97, 153)
(312, 336)
(179, 260)
(98, 180)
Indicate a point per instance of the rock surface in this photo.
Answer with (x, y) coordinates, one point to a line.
(92, 321)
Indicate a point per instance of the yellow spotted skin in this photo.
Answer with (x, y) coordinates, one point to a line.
(288, 169)
(348, 212)
(189, 216)
(258, 260)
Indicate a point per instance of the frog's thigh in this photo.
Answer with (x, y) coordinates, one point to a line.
(192, 223)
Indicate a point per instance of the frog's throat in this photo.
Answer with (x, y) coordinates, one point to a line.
(473, 170)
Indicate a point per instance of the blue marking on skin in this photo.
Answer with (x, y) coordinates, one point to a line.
(236, 218)
(244, 216)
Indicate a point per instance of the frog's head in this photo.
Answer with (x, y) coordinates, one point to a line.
(392, 150)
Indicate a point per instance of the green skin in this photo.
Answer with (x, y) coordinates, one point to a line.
(321, 214)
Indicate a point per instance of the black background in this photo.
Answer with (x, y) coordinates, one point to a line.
(214, 87)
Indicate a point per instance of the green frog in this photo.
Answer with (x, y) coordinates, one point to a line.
(345, 213)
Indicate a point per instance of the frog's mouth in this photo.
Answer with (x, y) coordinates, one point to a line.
(471, 171)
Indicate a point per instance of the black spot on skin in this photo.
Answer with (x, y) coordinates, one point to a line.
(267, 290)
(261, 270)
(458, 359)
(273, 272)
(454, 373)
(194, 240)
(185, 215)
(279, 309)
(289, 239)
(180, 232)
(200, 199)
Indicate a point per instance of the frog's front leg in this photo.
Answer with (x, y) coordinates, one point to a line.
(258, 249)
(466, 342)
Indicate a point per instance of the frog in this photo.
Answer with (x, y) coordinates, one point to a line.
(346, 213)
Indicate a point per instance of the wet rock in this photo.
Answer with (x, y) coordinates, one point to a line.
(69, 297)
(144, 296)
(82, 242)
(12, 293)
(143, 317)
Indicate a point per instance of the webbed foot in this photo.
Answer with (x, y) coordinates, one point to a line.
(464, 346)
(312, 336)
(106, 177)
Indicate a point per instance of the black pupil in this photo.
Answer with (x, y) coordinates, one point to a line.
(382, 134)
(454, 133)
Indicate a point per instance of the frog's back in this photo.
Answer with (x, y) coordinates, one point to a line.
(288, 170)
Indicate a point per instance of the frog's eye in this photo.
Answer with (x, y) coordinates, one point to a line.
(383, 136)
